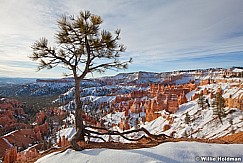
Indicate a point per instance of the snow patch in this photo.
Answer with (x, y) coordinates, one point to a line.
(164, 153)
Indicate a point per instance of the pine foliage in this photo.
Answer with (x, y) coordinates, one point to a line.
(81, 46)
(187, 118)
(202, 102)
(218, 106)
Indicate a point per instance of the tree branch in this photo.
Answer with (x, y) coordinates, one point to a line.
(125, 133)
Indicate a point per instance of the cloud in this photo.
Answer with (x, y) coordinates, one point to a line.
(159, 34)
(26, 70)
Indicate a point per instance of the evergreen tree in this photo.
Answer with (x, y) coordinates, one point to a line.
(187, 118)
(185, 134)
(83, 48)
(218, 106)
(137, 123)
(49, 145)
(202, 102)
(231, 124)
(44, 145)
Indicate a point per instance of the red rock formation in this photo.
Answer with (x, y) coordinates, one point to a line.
(196, 95)
(166, 127)
(219, 90)
(211, 95)
(6, 120)
(152, 107)
(63, 142)
(135, 107)
(138, 94)
(182, 99)
(25, 156)
(235, 101)
(206, 81)
(164, 98)
(124, 124)
(191, 86)
(173, 105)
(6, 112)
(120, 99)
(3, 146)
(22, 134)
(19, 138)
(40, 117)
(159, 97)
(205, 91)
(42, 128)
(10, 155)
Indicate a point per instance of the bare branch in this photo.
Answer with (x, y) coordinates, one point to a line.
(97, 137)
(109, 132)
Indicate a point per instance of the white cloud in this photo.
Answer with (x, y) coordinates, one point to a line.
(155, 31)
(17, 71)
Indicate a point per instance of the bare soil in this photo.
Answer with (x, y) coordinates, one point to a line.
(234, 138)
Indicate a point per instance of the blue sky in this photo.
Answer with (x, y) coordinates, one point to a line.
(160, 35)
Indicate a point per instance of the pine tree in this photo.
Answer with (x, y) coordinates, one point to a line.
(218, 106)
(231, 124)
(202, 102)
(137, 123)
(49, 145)
(185, 134)
(83, 48)
(44, 145)
(187, 118)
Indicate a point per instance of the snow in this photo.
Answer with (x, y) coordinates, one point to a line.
(67, 132)
(6, 140)
(10, 133)
(237, 70)
(99, 99)
(138, 77)
(114, 118)
(104, 99)
(235, 92)
(155, 126)
(172, 152)
(185, 107)
(184, 79)
(190, 94)
(203, 123)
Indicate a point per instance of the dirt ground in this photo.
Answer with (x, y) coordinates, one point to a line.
(234, 138)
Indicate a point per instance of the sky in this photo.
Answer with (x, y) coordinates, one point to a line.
(160, 35)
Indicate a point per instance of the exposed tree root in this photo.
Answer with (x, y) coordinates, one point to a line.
(74, 141)
(122, 134)
(99, 131)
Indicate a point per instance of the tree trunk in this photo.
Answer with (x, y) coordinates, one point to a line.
(79, 135)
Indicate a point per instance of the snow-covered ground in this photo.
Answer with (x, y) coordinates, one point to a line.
(238, 70)
(67, 132)
(164, 153)
(203, 123)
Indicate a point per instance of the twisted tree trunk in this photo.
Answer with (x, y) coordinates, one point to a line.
(80, 132)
